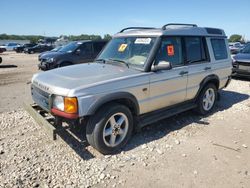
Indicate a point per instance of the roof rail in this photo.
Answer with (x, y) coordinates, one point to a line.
(178, 24)
(128, 28)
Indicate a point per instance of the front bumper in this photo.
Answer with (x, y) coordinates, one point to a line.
(43, 65)
(42, 119)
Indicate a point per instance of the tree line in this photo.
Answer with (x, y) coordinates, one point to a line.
(35, 38)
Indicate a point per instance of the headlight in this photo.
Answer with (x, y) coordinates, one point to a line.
(58, 103)
(66, 104)
(51, 60)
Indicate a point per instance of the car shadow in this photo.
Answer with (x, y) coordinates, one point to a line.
(77, 139)
(164, 127)
(8, 66)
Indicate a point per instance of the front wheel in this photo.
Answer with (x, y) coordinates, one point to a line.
(207, 99)
(110, 128)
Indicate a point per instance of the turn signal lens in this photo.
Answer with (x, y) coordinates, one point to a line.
(70, 105)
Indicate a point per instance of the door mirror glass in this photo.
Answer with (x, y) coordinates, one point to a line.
(162, 65)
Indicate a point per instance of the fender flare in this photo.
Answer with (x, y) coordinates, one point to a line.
(112, 98)
(206, 80)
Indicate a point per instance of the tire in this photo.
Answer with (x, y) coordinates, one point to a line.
(1, 60)
(106, 120)
(207, 99)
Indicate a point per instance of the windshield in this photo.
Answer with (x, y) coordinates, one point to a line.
(56, 49)
(132, 50)
(246, 50)
(70, 47)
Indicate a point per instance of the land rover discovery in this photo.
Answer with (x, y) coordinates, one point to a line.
(142, 75)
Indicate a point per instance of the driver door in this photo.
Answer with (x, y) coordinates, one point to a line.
(168, 87)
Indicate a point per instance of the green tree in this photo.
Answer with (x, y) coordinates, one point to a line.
(235, 38)
(107, 37)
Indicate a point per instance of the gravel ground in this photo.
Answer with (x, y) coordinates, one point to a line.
(183, 151)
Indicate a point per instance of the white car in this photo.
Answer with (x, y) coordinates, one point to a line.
(10, 46)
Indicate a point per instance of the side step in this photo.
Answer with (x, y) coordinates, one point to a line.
(155, 116)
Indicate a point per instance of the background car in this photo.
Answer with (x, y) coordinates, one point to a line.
(10, 46)
(56, 49)
(241, 62)
(72, 53)
(2, 50)
(235, 47)
(38, 49)
(20, 49)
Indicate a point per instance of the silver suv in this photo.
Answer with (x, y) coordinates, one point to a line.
(142, 75)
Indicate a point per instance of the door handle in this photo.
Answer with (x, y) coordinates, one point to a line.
(207, 68)
(183, 72)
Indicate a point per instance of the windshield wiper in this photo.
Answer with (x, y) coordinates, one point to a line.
(101, 60)
(118, 60)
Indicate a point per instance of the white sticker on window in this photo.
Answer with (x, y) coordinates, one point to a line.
(143, 41)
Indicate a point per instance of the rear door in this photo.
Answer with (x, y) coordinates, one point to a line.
(168, 87)
(198, 60)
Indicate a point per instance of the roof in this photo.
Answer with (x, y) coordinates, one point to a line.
(172, 29)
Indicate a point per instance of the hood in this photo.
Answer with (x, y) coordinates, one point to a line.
(61, 81)
(49, 54)
(242, 57)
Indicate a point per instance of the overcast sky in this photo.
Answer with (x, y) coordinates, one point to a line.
(57, 17)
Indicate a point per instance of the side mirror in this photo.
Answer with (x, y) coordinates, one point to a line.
(78, 51)
(162, 65)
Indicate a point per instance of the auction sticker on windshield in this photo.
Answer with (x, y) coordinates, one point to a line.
(143, 41)
(122, 47)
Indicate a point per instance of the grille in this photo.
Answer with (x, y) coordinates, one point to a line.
(40, 97)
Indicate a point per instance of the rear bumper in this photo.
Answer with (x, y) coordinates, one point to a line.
(240, 72)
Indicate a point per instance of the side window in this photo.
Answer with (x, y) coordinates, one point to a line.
(170, 51)
(98, 47)
(86, 48)
(195, 49)
(219, 49)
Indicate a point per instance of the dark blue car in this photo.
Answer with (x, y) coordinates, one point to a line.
(241, 62)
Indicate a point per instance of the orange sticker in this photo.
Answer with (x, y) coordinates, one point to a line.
(170, 49)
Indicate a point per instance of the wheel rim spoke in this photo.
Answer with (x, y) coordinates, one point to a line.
(112, 140)
(108, 132)
(112, 121)
(121, 132)
(120, 120)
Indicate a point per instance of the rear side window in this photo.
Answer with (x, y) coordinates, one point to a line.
(195, 49)
(170, 51)
(98, 46)
(219, 49)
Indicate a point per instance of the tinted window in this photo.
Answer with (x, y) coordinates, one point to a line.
(86, 48)
(170, 51)
(246, 50)
(195, 49)
(219, 48)
(98, 46)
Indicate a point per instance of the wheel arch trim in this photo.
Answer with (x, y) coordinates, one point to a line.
(113, 98)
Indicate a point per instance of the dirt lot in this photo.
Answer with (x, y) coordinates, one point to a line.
(183, 151)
